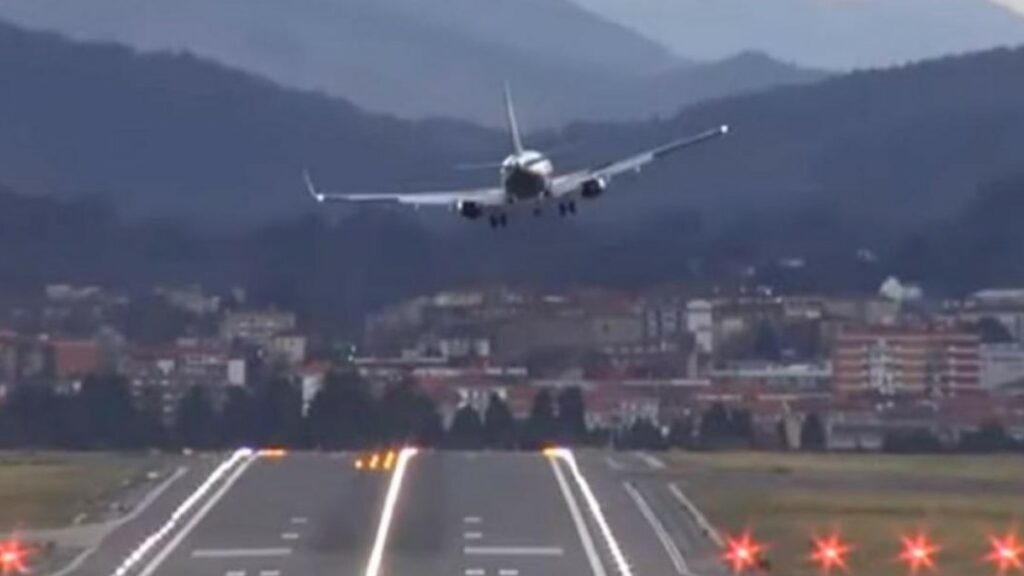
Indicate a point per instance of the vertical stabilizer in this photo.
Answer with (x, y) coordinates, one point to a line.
(513, 126)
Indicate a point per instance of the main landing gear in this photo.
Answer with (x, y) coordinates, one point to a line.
(566, 208)
(499, 220)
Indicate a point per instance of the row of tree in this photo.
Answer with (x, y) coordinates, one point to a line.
(344, 414)
(347, 414)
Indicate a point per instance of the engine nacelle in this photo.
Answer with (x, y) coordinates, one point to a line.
(470, 210)
(593, 188)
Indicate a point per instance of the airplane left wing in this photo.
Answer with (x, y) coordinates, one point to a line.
(483, 197)
(570, 183)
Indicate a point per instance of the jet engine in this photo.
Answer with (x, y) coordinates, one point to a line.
(593, 188)
(470, 210)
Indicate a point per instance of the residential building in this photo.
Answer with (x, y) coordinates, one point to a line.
(1001, 364)
(906, 360)
(256, 327)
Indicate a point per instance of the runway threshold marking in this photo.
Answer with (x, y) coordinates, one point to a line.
(659, 529)
(652, 462)
(387, 513)
(581, 525)
(218, 553)
(613, 463)
(513, 551)
(233, 468)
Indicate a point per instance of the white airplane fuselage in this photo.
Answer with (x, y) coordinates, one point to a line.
(526, 176)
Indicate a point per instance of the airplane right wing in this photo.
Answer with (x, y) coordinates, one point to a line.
(570, 183)
(482, 197)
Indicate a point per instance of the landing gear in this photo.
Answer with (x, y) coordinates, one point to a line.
(566, 208)
(498, 220)
(538, 212)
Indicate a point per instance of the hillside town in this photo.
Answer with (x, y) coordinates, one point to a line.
(867, 368)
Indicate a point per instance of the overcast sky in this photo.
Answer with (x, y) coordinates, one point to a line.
(834, 34)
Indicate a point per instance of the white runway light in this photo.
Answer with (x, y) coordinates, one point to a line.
(390, 501)
(183, 509)
(619, 558)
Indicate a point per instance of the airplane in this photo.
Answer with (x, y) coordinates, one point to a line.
(527, 178)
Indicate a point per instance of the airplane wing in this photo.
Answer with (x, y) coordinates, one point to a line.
(570, 183)
(443, 198)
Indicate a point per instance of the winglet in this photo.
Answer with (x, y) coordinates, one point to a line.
(311, 188)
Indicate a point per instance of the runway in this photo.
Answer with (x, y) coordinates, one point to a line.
(455, 514)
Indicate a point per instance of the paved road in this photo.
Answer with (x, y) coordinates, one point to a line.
(458, 514)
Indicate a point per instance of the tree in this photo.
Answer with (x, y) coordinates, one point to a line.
(196, 423)
(30, 416)
(277, 411)
(237, 418)
(541, 425)
(342, 412)
(993, 331)
(466, 429)
(499, 425)
(572, 422)
(812, 433)
(104, 415)
(714, 424)
(405, 415)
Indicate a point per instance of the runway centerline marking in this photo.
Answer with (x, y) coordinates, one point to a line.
(474, 572)
(387, 513)
(290, 536)
(240, 552)
(300, 520)
(513, 551)
(577, 517)
(270, 573)
(472, 519)
(473, 535)
(666, 541)
(235, 573)
(508, 572)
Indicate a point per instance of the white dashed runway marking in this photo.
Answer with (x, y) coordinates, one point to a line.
(241, 552)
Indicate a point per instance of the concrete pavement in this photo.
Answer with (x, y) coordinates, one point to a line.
(457, 514)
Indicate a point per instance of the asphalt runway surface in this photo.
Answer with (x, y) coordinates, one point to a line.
(453, 514)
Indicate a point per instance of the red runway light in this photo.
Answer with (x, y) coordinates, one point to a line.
(12, 557)
(918, 552)
(1006, 553)
(830, 553)
(743, 553)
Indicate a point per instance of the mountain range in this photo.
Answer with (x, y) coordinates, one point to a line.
(828, 34)
(418, 59)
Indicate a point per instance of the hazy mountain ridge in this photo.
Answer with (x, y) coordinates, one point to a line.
(418, 59)
(835, 35)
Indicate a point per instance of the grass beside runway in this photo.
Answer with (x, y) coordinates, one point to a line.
(871, 499)
(50, 489)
